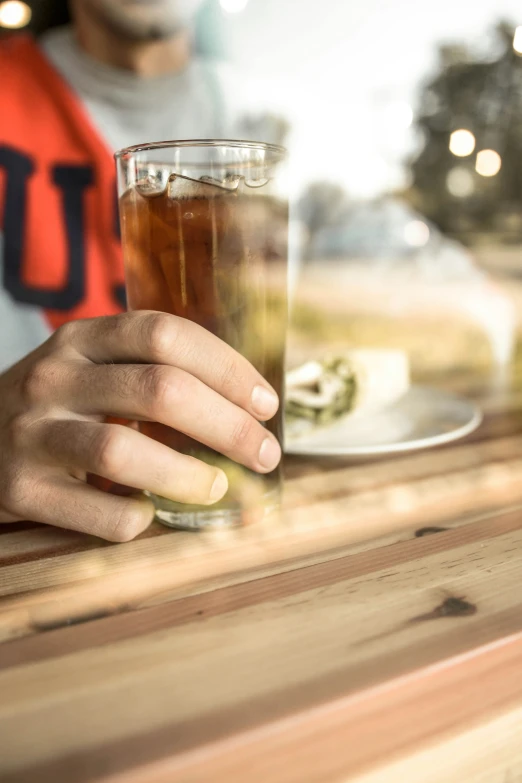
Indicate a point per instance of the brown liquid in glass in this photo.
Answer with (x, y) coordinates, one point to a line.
(215, 255)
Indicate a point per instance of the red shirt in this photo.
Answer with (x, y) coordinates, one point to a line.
(58, 207)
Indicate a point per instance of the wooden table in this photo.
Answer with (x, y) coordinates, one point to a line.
(372, 633)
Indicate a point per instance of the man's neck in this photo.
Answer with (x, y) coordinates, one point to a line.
(146, 59)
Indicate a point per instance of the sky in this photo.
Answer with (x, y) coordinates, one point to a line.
(345, 73)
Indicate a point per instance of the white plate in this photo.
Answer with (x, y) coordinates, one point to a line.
(422, 418)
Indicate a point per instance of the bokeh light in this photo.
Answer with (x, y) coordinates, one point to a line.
(14, 14)
(488, 163)
(517, 40)
(460, 182)
(233, 6)
(416, 233)
(462, 143)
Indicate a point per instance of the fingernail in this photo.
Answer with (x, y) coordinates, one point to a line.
(269, 454)
(264, 402)
(219, 487)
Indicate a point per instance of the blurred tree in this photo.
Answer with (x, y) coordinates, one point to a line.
(484, 96)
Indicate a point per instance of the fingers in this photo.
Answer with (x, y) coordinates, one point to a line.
(159, 338)
(65, 502)
(130, 458)
(177, 399)
(6, 518)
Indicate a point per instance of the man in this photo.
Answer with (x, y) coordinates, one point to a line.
(123, 74)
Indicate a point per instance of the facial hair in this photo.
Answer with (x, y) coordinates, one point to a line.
(171, 17)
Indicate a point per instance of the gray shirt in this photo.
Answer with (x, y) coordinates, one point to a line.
(127, 109)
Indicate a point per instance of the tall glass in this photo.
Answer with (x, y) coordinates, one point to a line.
(205, 237)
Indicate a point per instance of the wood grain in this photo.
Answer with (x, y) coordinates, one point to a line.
(248, 588)
(434, 712)
(48, 592)
(269, 659)
(344, 639)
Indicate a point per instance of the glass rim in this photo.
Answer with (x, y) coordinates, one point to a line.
(187, 143)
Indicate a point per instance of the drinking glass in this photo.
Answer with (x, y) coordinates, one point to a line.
(205, 237)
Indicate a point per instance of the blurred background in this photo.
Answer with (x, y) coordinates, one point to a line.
(404, 122)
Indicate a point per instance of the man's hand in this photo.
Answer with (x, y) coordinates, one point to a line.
(140, 366)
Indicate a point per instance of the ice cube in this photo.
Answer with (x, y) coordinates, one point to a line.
(230, 182)
(152, 181)
(186, 187)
